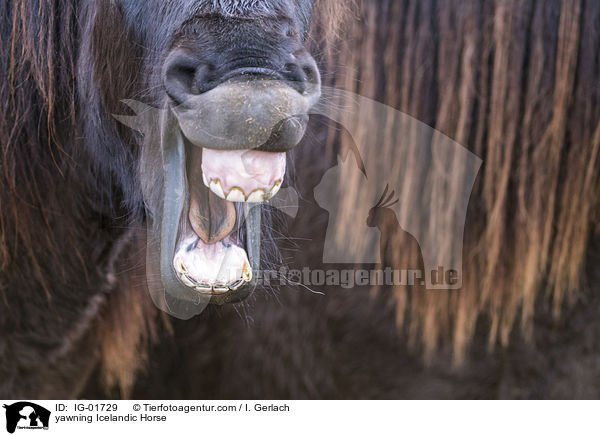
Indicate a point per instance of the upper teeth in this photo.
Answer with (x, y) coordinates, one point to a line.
(237, 194)
(215, 186)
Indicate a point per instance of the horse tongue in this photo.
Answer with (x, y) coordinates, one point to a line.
(212, 218)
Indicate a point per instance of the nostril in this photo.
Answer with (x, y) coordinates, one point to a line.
(310, 73)
(203, 78)
(181, 75)
(304, 69)
(292, 69)
(297, 76)
(185, 76)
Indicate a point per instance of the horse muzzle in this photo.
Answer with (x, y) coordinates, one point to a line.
(231, 119)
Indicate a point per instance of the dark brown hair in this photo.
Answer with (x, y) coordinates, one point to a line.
(515, 81)
(517, 84)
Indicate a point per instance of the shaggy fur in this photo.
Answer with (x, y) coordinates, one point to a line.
(515, 82)
(72, 276)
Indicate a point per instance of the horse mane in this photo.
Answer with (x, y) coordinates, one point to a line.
(52, 194)
(329, 20)
(45, 170)
(37, 97)
(38, 92)
(515, 83)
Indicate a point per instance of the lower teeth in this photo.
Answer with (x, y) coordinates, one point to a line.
(223, 266)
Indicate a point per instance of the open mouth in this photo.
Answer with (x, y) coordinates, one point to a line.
(224, 153)
(211, 252)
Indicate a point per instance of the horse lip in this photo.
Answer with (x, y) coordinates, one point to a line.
(174, 206)
(256, 72)
(244, 103)
(240, 115)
